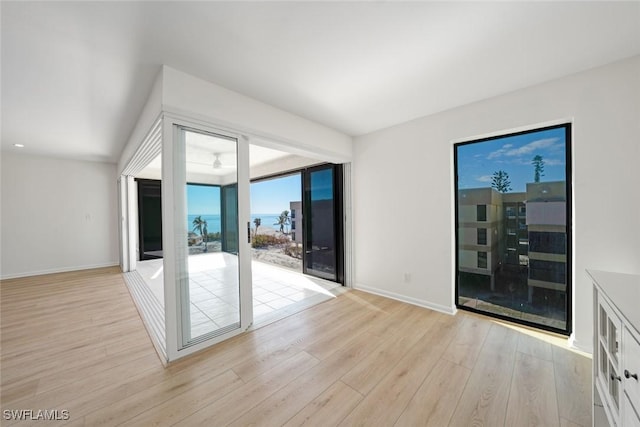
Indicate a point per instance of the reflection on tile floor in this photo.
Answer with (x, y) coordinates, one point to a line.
(278, 292)
(214, 294)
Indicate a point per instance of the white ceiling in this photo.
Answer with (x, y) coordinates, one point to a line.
(75, 75)
(201, 151)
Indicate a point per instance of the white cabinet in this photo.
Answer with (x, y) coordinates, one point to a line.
(616, 347)
(608, 345)
(630, 375)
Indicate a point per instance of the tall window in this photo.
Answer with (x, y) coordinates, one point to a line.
(519, 185)
(482, 260)
(545, 242)
(481, 213)
(482, 236)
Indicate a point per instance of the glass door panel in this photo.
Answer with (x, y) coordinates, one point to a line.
(322, 222)
(149, 219)
(229, 199)
(210, 280)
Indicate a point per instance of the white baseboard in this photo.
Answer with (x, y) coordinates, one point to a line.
(57, 270)
(579, 345)
(408, 300)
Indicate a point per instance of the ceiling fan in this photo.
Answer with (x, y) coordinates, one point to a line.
(217, 163)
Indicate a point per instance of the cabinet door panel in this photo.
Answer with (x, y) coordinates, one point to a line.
(631, 367)
(631, 417)
(614, 332)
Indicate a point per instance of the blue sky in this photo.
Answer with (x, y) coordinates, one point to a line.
(273, 196)
(267, 197)
(203, 200)
(478, 161)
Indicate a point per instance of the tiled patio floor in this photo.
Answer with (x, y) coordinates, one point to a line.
(213, 290)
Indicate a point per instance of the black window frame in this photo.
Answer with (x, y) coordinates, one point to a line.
(339, 212)
(568, 126)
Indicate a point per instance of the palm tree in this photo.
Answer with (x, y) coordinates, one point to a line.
(287, 220)
(283, 220)
(200, 225)
(257, 222)
(205, 236)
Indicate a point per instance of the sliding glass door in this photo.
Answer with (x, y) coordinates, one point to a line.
(210, 282)
(204, 292)
(323, 229)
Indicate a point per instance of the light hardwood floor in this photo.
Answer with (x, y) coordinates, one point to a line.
(75, 342)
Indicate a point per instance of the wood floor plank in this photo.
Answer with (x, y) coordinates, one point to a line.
(125, 409)
(304, 328)
(249, 369)
(288, 401)
(364, 376)
(239, 401)
(532, 398)
(386, 402)
(436, 399)
(573, 384)
(99, 390)
(396, 319)
(485, 397)
(334, 339)
(532, 346)
(23, 390)
(329, 408)
(182, 404)
(72, 369)
(75, 341)
(466, 345)
(54, 330)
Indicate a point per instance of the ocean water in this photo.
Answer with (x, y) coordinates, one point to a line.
(214, 221)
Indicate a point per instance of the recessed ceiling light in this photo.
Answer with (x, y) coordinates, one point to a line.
(19, 145)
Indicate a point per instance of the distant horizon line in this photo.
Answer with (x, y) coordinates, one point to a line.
(261, 213)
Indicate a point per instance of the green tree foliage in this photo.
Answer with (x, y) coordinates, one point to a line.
(267, 240)
(538, 168)
(200, 225)
(500, 181)
(284, 221)
(257, 222)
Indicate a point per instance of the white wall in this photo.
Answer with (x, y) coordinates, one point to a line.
(403, 214)
(148, 116)
(185, 94)
(57, 215)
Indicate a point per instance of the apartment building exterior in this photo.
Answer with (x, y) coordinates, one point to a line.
(513, 231)
(296, 221)
(547, 226)
(479, 230)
